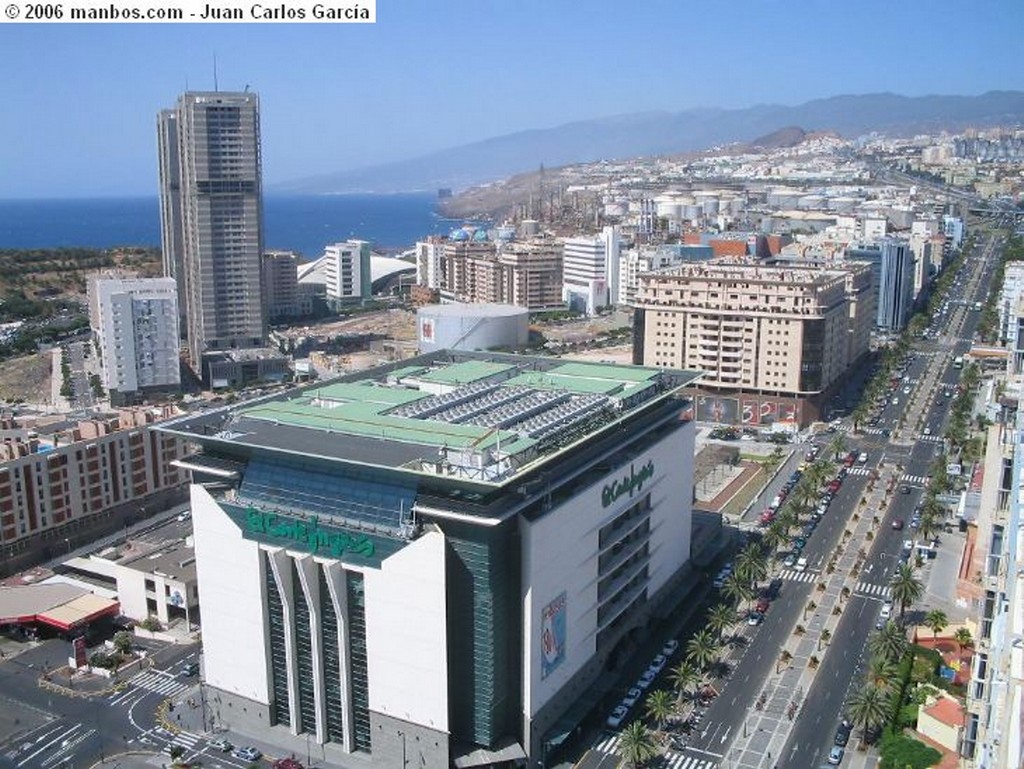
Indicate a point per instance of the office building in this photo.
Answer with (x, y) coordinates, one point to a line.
(895, 284)
(221, 209)
(771, 340)
(62, 487)
(590, 271)
(347, 272)
(427, 563)
(135, 325)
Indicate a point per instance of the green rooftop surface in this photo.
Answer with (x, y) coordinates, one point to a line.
(366, 392)
(606, 371)
(465, 372)
(364, 419)
(405, 371)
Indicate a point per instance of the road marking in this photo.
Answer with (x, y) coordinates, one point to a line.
(66, 734)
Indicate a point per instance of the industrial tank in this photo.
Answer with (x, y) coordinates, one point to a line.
(463, 326)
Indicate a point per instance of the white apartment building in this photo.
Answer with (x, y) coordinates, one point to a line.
(1009, 297)
(429, 258)
(135, 324)
(634, 262)
(347, 271)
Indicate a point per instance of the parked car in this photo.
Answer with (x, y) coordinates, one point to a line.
(762, 604)
(790, 559)
(617, 716)
(222, 745)
(843, 733)
(773, 589)
(632, 697)
(647, 679)
(670, 647)
(835, 756)
(247, 754)
(754, 618)
(658, 663)
(886, 610)
(801, 564)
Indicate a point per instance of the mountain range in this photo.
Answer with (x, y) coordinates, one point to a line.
(666, 133)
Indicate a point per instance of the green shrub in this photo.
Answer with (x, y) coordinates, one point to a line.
(900, 752)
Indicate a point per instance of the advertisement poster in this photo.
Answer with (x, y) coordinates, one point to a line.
(769, 412)
(552, 636)
(750, 413)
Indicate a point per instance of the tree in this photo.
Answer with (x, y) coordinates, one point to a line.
(736, 588)
(751, 565)
(123, 642)
(701, 649)
(825, 637)
(882, 672)
(682, 677)
(836, 446)
(636, 744)
(773, 537)
(721, 617)
(962, 636)
(869, 707)
(784, 659)
(658, 707)
(936, 620)
(906, 588)
(888, 643)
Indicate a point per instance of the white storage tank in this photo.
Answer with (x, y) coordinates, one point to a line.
(463, 326)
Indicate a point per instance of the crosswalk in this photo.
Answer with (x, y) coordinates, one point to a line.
(184, 740)
(933, 438)
(159, 682)
(859, 471)
(676, 760)
(920, 480)
(798, 576)
(673, 759)
(874, 591)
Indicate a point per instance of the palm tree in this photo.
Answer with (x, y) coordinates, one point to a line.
(658, 707)
(889, 642)
(721, 617)
(750, 564)
(882, 673)
(736, 588)
(936, 620)
(869, 707)
(773, 537)
(929, 526)
(825, 637)
(785, 657)
(906, 588)
(636, 744)
(836, 446)
(962, 636)
(702, 649)
(682, 677)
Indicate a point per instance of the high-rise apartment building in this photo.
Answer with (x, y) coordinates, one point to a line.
(526, 273)
(171, 235)
(135, 324)
(281, 284)
(221, 210)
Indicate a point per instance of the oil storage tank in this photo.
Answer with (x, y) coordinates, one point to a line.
(463, 326)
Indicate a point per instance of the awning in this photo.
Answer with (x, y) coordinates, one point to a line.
(59, 605)
(507, 750)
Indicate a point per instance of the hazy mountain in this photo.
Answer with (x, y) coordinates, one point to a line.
(664, 133)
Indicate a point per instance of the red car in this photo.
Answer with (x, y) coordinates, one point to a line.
(762, 605)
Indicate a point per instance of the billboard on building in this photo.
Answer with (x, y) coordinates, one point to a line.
(711, 408)
(750, 411)
(552, 636)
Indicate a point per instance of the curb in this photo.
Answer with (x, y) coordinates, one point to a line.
(117, 756)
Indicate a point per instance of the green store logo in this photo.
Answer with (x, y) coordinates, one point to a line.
(628, 484)
(307, 533)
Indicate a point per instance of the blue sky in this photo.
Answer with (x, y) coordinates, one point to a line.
(79, 101)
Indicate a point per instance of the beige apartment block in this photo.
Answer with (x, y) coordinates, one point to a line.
(528, 274)
(789, 331)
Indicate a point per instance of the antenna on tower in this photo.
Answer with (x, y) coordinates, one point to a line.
(215, 88)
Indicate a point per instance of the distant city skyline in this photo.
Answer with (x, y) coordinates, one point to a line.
(80, 99)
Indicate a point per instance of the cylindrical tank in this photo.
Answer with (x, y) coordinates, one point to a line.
(463, 326)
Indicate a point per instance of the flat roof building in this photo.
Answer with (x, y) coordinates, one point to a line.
(434, 558)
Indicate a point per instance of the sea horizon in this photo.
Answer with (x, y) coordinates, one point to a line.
(303, 223)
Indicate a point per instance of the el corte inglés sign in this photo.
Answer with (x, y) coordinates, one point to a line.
(628, 484)
(308, 533)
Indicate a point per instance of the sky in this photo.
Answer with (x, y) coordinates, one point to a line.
(79, 101)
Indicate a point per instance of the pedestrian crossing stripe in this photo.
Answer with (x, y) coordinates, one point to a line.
(156, 682)
(676, 760)
(866, 588)
(798, 576)
(932, 438)
(859, 471)
(185, 739)
(921, 480)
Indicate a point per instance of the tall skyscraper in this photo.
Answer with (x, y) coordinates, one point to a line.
(221, 210)
(171, 235)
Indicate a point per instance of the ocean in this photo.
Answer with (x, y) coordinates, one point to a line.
(303, 223)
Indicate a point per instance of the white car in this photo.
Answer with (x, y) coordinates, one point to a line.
(247, 754)
(632, 697)
(670, 647)
(886, 610)
(658, 663)
(617, 716)
(801, 564)
(647, 678)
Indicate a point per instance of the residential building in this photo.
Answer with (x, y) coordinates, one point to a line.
(584, 285)
(431, 561)
(1010, 295)
(172, 235)
(895, 284)
(526, 273)
(61, 488)
(281, 284)
(221, 210)
(429, 260)
(135, 325)
(771, 340)
(347, 272)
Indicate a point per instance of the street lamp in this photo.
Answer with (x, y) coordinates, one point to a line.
(401, 734)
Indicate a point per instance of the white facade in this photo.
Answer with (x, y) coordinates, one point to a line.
(428, 263)
(135, 323)
(560, 556)
(612, 247)
(874, 229)
(347, 270)
(1009, 299)
(635, 262)
(584, 285)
